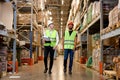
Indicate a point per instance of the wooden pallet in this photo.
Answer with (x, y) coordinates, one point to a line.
(109, 73)
(118, 25)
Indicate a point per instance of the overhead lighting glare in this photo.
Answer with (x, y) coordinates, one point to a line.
(49, 12)
(61, 12)
(61, 19)
(62, 2)
(51, 18)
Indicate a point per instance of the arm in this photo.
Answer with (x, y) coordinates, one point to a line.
(75, 42)
(57, 41)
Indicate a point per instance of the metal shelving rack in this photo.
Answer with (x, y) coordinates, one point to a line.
(30, 8)
(99, 21)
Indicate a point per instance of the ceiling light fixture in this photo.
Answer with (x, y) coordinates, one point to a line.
(51, 18)
(61, 19)
(62, 2)
(61, 12)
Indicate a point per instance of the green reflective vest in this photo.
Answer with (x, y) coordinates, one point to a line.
(52, 38)
(69, 40)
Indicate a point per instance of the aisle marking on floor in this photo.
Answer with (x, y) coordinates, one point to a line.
(14, 77)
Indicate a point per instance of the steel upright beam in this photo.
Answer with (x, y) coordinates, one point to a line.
(14, 43)
(101, 42)
(31, 29)
(88, 53)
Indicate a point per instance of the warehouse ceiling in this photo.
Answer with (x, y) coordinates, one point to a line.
(59, 12)
(56, 10)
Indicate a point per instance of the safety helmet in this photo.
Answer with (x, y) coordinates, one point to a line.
(71, 23)
(49, 22)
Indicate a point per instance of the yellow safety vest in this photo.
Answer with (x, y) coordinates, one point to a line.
(52, 38)
(69, 40)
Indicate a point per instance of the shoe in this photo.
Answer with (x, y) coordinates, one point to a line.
(49, 72)
(65, 70)
(70, 72)
(45, 71)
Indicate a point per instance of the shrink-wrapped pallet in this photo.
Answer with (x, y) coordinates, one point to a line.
(114, 16)
(6, 14)
(96, 9)
(85, 20)
(89, 14)
(25, 18)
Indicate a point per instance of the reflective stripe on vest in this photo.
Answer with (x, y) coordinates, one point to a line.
(69, 40)
(52, 38)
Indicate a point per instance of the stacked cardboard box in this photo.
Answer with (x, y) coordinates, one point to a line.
(114, 16)
(89, 13)
(96, 9)
(25, 18)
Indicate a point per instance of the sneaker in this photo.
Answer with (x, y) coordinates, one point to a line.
(49, 72)
(70, 72)
(65, 70)
(45, 71)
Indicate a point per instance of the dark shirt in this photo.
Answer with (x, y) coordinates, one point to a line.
(70, 32)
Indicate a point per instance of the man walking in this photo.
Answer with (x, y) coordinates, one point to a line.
(69, 46)
(51, 40)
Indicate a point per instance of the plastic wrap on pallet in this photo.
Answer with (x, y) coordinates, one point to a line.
(25, 18)
(119, 4)
(114, 16)
(108, 5)
(85, 20)
(6, 14)
(25, 54)
(89, 14)
(96, 9)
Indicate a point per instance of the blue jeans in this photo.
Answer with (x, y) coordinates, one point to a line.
(69, 52)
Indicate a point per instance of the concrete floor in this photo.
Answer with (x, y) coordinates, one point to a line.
(35, 72)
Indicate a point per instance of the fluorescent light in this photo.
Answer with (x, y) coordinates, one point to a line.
(61, 12)
(61, 23)
(49, 12)
(62, 2)
(51, 18)
(61, 19)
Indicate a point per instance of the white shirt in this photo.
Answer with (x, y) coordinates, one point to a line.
(57, 36)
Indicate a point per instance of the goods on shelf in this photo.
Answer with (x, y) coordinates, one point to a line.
(114, 16)
(85, 4)
(119, 4)
(96, 55)
(25, 18)
(114, 20)
(109, 54)
(85, 20)
(118, 70)
(89, 13)
(25, 54)
(96, 9)
(108, 6)
(25, 36)
(6, 14)
(3, 61)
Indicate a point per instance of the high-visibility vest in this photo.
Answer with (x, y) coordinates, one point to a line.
(69, 40)
(52, 38)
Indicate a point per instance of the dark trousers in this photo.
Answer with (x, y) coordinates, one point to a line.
(48, 50)
(68, 52)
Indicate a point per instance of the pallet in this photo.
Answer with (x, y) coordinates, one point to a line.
(109, 73)
(118, 24)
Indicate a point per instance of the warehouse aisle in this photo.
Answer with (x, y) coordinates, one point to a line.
(35, 72)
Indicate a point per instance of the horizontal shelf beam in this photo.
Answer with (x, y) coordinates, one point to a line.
(111, 34)
(93, 22)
